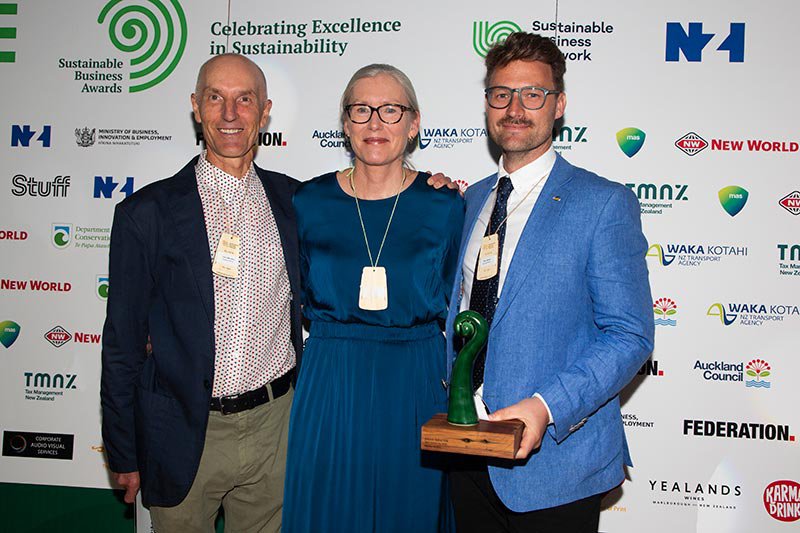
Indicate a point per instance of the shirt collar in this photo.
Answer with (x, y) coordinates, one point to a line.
(525, 177)
(216, 178)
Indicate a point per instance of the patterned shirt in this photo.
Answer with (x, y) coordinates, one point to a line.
(252, 326)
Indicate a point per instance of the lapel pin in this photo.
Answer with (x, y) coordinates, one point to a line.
(557, 198)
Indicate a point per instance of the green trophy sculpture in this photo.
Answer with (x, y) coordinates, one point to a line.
(460, 431)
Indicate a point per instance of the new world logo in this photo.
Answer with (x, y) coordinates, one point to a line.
(61, 235)
(733, 198)
(750, 314)
(630, 140)
(58, 336)
(485, 35)
(9, 332)
(693, 255)
(791, 202)
(692, 144)
(782, 500)
(6, 32)
(664, 308)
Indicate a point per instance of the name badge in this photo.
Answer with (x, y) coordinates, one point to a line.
(373, 295)
(488, 258)
(226, 258)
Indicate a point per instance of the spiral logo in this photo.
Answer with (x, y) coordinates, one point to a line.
(152, 31)
(484, 35)
(17, 443)
(61, 235)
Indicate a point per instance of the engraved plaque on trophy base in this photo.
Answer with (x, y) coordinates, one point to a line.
(490, 439)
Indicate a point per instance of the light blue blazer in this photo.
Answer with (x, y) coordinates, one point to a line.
(574, 323)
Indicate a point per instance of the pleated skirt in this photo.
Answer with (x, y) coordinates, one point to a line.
(354, 461)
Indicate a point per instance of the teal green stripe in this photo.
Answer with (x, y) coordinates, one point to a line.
(8, 9)
(8, 33)
(8, 57)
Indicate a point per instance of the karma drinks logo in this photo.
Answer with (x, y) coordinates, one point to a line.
(782, 500)
(664, 308)
(152, 33)
(630, 140)
(758, 369)
(485, 35)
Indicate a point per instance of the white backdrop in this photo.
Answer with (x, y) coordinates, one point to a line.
(713, 451)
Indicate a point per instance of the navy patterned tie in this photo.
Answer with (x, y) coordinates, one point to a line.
(483, 298)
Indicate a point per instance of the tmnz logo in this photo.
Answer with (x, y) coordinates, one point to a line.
(22, 135)
(50, 381)
(658, 198)
(693, 41)
(104, 186)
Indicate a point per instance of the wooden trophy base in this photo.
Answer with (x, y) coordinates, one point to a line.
(489, 439)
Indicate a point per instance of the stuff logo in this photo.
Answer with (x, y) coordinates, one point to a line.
(733, 198)
(485, 35)
(691, 144)
(758, 369)
(22, 185)
(782, 500)
(9, 331)
(692, 42)
(664, 308)
(7, 56)
(791, 202)
(104, 186)
(630, 140)
(22, 135)
(155, 38)
(58, 336)
(61, 235)
(101, 287)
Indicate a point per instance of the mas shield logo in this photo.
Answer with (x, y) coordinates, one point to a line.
(484, 35)
(630, 140)
(758, 369)
(62, 235)
(153, 33)
(733, 199)
(101, 287)
(9, 331)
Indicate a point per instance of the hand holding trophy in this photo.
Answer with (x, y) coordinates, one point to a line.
(460, 431)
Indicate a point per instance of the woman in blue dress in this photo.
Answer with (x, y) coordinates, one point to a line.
(378, 253)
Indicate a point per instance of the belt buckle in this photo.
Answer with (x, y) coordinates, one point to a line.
(223, 400)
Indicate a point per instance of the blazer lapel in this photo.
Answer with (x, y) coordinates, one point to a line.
(540, 223)
(186, 210)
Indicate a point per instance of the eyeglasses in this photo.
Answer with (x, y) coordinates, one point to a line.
(531, 98)
(388, 113)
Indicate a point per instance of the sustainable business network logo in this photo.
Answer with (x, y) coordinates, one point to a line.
(9, 332)
(7, 32)
(752, 314)
(630, 140)
(664, 308)
(791, 202)
(691, 41)
(486, 35)
(782, 500)
(574, 38)
(61, 236)
(733, 198)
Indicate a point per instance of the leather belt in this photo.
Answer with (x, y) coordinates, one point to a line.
(237, 403)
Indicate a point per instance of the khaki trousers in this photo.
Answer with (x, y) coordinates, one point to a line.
(242, 469)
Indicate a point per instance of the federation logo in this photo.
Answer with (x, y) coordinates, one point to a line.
(630, 140)
(58, 336)
(9, 331)
(732, 198)
(691, 144)
(791, 202)
(758, 369)
(154, 38)
(62, 235)
(485, 35)
(85, 137)
(101, 287)
(782, 500)
(664, 308)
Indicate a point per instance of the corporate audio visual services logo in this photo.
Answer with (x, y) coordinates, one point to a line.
(61, 235)
(630, 140)
(692, 144)
(58, 336)
(486, 35)
(650, 368)
(566, 137)
(447, 138)
(727, 429)
(691, 42)
(265, 138)
(38, 445)
(36, 285)
(791, 202)
(685, 493)
(9, 332)
(48, 387)
(22, 135)
(7, 32)
(693, 255)
(753, 314)
(101, 287)
(22, 185)
(736, 373)
(733, 198)
(664, 308)
(85, 137)
(782, 500)
(659, 198)
(105, 186)
(789, 259)
(13, 235)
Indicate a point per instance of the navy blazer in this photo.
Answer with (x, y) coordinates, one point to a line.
(155, 408)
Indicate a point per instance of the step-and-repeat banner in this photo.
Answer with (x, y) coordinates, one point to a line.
(692, 105)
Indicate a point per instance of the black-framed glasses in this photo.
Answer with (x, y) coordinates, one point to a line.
(388, 113)
(531, 98)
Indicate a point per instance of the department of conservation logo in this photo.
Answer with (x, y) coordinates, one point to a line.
(9, 331)
(101, 287)
(447, 138)
(61, 235)
(693, 255)
(664, 308)
(630, 140)
(752, 314)
(486, 35)
(791, 202)
(733, 198)
(782, 500)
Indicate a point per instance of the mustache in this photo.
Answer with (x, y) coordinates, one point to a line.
(514, 121)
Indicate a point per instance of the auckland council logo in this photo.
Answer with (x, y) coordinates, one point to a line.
(485, 35)
(153, 33)
(732, 198)
(630, 140)
(62, 235)
(758, 369)
(664, 308)
(9, 331)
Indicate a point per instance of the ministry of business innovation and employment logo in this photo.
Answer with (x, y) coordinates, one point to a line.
(485, 35)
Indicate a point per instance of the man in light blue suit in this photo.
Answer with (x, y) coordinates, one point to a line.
(554, 257)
